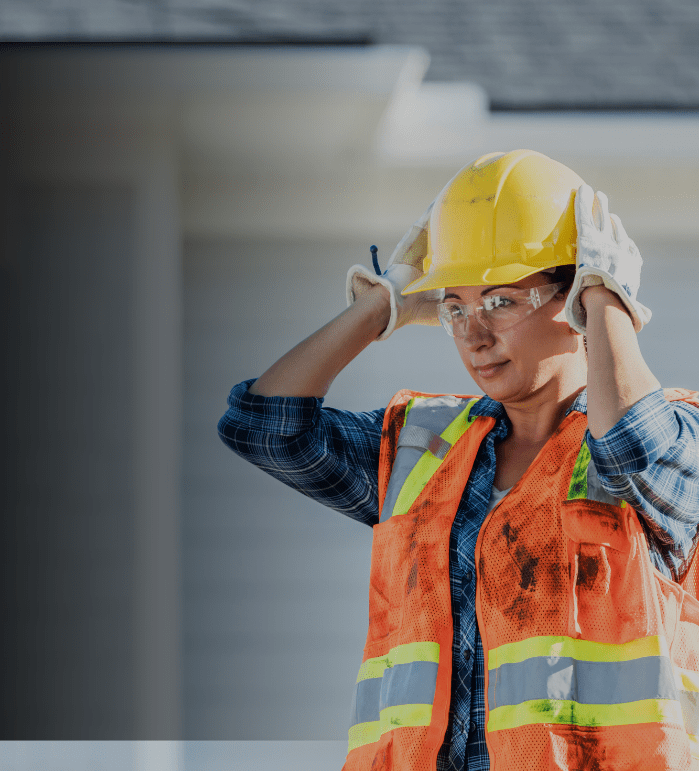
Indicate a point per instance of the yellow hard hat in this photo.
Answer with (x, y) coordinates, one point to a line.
(500, 219)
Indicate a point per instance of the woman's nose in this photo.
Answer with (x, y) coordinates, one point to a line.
(475, 335)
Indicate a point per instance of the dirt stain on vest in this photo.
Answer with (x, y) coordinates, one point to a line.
(585, 751)
(382, 759)
(525, 561)
(528, 581)
(412, 577)
(416, 549)
(588, 568)
(526, 572)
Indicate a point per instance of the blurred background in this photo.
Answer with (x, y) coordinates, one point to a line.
(183, 187)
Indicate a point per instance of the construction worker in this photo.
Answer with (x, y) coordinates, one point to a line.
(533, 589)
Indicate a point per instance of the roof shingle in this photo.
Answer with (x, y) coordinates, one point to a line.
(526, 54)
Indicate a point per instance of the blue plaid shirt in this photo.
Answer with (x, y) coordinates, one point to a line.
(650, 459)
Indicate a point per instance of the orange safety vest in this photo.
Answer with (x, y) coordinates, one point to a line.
(592, 656)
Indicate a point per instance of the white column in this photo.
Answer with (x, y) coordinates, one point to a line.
(109, 143)
(157, 451)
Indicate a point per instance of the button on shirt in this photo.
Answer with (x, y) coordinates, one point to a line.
(650, 459)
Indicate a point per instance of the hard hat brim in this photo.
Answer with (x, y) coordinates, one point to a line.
(502, 274)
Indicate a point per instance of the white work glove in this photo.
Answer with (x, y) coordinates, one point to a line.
(404, 267)
(606, 255)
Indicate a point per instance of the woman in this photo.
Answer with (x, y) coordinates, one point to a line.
(525, 607)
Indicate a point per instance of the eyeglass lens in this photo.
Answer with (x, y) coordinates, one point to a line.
(496, 312)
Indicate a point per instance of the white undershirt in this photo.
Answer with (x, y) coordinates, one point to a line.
(496, 496)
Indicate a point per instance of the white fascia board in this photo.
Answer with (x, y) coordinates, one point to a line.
(647, 162)
(431, 123)
(443, 124)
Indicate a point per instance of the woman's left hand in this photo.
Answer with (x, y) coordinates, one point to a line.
(605, 255)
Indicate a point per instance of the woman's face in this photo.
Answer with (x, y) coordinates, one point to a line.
(538, 355)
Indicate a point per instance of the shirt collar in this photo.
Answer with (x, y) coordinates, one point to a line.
(488, 407)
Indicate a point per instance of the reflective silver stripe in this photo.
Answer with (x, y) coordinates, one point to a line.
(595, 491)
(404, 463)
(423, 438)
(413, 683)
(434, 414)
(585, 682)
(365, 704)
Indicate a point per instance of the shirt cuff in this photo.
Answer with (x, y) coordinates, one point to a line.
(642, 435)
(280, 415)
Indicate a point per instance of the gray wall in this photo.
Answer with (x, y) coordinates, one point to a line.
(90, 272)
(68, 385)
(276, 586)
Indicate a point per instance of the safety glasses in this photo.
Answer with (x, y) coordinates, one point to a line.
(496, 312)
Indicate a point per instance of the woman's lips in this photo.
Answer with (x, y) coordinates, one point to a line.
(490, 370)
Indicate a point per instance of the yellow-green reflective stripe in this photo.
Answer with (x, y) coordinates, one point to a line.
(401, 654)
(363, 733)
(584, 650)
(578, 482)
(572, 713)
(408, 407)
(428, 463)
(417, 651)
(372, 668)
(403, 716)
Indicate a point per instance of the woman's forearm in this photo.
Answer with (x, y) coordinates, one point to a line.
(309, 368)
(617, 375)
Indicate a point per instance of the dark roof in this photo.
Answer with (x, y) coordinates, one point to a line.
(526, 54)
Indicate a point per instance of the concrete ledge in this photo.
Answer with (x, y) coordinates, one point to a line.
(172, 756)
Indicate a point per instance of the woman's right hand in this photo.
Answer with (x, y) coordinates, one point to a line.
(404, 267)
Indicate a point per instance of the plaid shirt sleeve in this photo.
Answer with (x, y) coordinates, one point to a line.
(650, 459)
(329, 455)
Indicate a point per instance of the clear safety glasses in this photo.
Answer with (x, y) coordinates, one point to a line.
(496, 312)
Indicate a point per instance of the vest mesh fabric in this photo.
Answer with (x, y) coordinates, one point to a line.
(575, 569)
(410, 594)
(550, 567)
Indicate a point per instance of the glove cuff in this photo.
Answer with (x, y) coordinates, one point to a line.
(359, 280)
(589, 276)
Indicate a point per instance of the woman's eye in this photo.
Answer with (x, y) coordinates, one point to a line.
(502, 302)
(454, 311)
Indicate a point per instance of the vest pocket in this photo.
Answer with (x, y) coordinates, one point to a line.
(591, 522)
(605, 564)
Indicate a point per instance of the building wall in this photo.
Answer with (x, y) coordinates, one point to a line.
(103, 155)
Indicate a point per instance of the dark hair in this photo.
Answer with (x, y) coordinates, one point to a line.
(563, 274)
